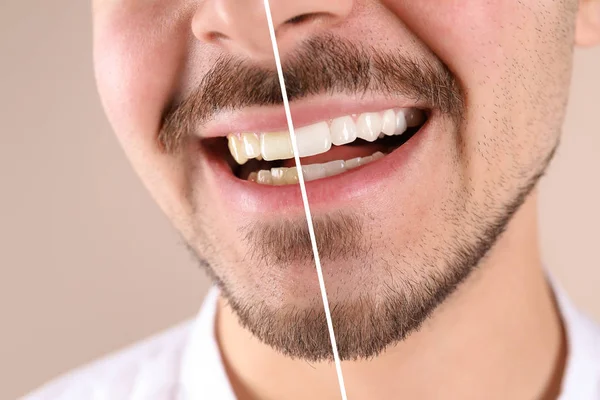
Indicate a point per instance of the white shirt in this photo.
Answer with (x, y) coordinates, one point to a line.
(184, 363)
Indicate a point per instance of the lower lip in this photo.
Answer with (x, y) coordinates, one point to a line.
(353, 185)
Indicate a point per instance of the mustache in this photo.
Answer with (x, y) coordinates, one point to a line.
(322, 65)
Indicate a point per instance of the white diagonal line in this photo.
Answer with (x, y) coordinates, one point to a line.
(311, 230)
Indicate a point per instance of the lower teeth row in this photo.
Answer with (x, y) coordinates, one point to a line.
(289, 176)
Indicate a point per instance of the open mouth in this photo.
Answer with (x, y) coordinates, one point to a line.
(326, 148)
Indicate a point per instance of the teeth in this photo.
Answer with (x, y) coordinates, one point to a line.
(276, 146)
(313, 139)
(334, 167)
(277, 176)
(251, 145)
(236, 148)
(378, 155)
(343, 131)
(318, 138)
(264, 177)
(414, 117)
(353, 163)
(369, 126)
(313, 172)
(388, 124)
(400, 123)
(289, 176)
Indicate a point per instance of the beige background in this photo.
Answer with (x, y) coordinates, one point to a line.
(89, 264)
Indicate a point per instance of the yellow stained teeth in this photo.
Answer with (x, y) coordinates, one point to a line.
(291, 175)
(264, 177)
(277, 176)
(236, 147)
(251, 145)
(276, 146)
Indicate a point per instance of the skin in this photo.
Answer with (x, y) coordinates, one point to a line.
(512, 60)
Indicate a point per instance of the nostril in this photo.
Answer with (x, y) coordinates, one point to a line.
(215, 37)
(300, 19)
(308, 17)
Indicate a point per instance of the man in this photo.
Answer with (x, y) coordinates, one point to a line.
(423, 128)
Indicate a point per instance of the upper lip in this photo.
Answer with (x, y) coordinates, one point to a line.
(304, 112)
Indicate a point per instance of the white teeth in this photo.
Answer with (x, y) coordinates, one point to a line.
(368, 126)
(318, 138)
(366, 160)
(313, 172)
(343, 131)
(353, 163)
(334, 167)
(400, 123)
(276, 146)
(313, 139)
(388, 123)
(377, 155)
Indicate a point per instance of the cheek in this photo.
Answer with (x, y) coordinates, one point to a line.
(478, 39)
(138, 55)
(512, 59)
(466, 35)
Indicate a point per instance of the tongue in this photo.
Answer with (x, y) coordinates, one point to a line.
(339, 153)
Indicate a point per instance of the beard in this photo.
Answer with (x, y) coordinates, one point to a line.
(406, 284)
(367, 324)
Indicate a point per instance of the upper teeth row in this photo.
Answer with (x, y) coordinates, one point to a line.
(318, 138)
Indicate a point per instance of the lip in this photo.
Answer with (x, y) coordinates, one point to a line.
(304, 112)
(330, 192)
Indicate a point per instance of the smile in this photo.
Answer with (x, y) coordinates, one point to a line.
(326, 148)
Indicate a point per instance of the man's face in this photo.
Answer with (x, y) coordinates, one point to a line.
(481, 84)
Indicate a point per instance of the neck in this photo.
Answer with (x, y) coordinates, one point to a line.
(499, 336)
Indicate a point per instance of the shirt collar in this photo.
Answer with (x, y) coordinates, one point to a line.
(203, 373)
(581, 379)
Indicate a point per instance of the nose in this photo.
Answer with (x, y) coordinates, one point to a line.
(240, 26)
